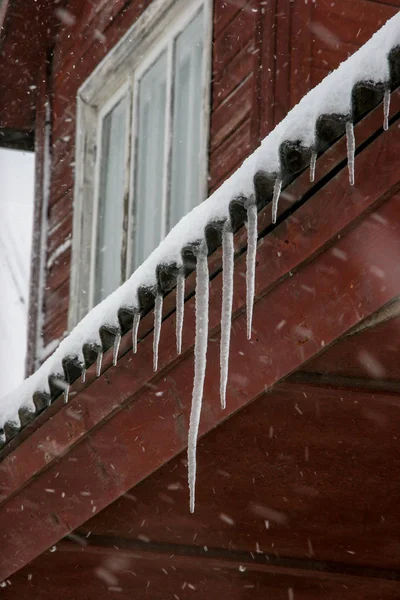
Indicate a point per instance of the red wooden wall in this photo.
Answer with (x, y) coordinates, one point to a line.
(297, 492)
(266, 55)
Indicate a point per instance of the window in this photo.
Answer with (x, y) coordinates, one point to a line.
(141, 146)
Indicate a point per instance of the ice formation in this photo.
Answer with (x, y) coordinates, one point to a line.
(158, 304)
(200, 358)
(226, 311)
(180, 307)
(251, 264)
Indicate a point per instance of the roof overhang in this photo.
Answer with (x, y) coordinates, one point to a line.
(120, 427)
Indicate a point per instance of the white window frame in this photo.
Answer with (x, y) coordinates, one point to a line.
(102, 113)
(122, 68)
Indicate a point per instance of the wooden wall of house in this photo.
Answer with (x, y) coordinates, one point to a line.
(266, 55)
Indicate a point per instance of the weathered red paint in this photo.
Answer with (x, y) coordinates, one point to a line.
(259, 71)
(151, 575)
(135, 441)
(297, 454)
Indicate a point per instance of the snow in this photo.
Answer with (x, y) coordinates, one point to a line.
(180, 308)
(226, 311)
(333, 95)
(200, 354)
(251, 264)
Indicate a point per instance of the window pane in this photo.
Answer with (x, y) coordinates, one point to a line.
(149, 170)
(109, 267)
(186, 120)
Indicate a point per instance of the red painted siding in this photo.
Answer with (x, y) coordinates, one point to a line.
(266, 55)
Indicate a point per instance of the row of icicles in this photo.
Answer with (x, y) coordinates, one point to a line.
(201, 305)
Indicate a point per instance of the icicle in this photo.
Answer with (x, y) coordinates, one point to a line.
(117, 342)
(226, 312)
(157, 328)
(275, 198)
(313, 162)
(251, 264)
(200, 353)
(135, 328)
(98, 363)
(351, 146)
(386, 108)
(83, 374)
(180, 307)
(66, 392)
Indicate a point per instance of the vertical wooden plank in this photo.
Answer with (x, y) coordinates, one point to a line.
(39, 235)
(282, 63)
(267, 66)
(257, 71)
(301, 40)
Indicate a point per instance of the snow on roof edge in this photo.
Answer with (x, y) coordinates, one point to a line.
(332, 96)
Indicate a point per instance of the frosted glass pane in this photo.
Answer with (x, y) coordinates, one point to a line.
(149, 172)
(109, 272)
(187, 124)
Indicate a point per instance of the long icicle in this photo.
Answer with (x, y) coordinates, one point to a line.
(135, 328)
(226, 311)
(386, 108)
(313, 163)
(157, 328)
(83, 374)
(117, 343)
(180, 308)
(275, 198)
(200, 354)
(251, 264)
(99, 363)
(351, 147)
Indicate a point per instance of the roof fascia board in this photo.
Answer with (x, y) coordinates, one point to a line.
(300, 188)
(128, 440)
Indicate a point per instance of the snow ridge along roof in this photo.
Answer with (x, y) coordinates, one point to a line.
(324, 114)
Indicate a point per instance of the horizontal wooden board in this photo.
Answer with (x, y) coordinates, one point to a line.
(235, 36)
(60, 209)
(111, 572)
(303, 472)
(354, 22)
(224, 12)
(238, 69)
(232, 112)
(372, 354)
(56, 301)
(59, 271)
(56, 324)
(57, 236)
(230, 154)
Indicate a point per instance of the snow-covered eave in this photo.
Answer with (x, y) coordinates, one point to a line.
(323, 115)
